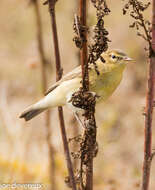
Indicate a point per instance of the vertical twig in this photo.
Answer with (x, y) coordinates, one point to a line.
(138, 7)
(58, 77)
(44, 86)
(149, 109)
(89, 138)
(84, 54)
(83, 98)
(85, 85)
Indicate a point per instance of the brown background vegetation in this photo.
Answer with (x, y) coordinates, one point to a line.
(23, 146)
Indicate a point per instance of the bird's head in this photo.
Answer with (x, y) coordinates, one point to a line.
(116, 57)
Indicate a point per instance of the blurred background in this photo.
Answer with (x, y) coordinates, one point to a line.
(24, 153)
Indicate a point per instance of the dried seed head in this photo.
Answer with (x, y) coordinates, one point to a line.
(136, 9)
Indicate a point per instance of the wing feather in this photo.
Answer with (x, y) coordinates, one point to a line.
(71, 75)
(77, 73)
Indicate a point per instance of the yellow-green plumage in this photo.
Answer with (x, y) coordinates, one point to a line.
(103, 84)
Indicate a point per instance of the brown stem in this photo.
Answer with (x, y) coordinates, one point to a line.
(58, 77)
(149, 110)
(89, 137)
(84, 65)
(44, 86)
(84, 56)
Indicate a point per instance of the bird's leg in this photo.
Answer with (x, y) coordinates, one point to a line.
(78, 119)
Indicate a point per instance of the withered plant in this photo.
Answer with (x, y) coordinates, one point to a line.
(82, 179)
(146, 30)
(84, 98)
(59, 70)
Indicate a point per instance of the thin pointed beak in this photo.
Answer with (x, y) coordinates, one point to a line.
(128, 59)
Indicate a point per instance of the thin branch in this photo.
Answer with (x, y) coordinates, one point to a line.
(83, 98)
(84, 54)
(85, 85)
(138, 7)
(58, 77)
(89, 137)
(44, 86)
(149, 109)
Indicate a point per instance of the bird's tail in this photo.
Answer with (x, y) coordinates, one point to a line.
(31, 112)
(42, 105)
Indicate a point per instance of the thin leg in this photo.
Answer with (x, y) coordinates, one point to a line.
(78, 119)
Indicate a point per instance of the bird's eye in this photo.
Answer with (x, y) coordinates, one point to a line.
(113, 56)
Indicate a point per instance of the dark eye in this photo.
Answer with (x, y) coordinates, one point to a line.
(113, 56)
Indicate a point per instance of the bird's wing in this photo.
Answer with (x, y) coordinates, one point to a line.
(71, 75)
(77, 73)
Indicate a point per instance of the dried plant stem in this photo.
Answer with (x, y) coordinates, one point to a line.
(58, 77)
(84, 54)
(138, 7)
(44, 86)
(89, 137)
(148, 155)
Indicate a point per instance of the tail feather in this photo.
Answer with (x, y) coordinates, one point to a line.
(30, 113)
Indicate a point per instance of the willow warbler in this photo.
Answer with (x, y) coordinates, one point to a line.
(103, 84)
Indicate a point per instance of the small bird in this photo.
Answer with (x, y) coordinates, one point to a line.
(103, 83)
